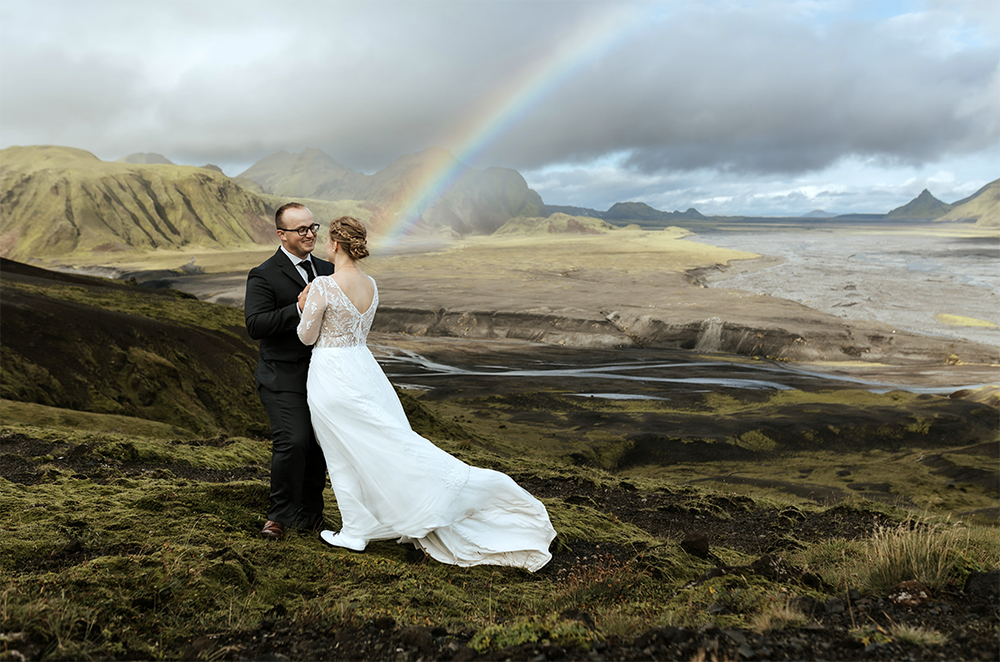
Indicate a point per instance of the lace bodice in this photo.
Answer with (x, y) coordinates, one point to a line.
(329, 319)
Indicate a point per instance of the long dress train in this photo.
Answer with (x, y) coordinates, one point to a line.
(390, 482)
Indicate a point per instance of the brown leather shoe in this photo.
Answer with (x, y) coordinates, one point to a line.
(273, 530)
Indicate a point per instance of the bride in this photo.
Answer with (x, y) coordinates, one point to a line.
(390, 482)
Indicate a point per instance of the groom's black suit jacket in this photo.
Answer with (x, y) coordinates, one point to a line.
(271, 314)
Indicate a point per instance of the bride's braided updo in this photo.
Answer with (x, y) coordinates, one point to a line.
(350, 233)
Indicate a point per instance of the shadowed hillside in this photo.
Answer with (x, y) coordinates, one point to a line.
(59, 200)
(102, 346)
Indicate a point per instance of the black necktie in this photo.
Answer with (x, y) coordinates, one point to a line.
(307, 265)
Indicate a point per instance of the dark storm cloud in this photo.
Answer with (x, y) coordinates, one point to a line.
(753, 93)
(750, 89)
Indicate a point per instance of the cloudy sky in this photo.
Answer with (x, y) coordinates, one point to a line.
(729, 106)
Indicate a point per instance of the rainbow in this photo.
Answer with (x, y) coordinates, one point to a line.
(592, 39)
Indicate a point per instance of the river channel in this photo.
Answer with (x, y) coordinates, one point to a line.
(484, 367)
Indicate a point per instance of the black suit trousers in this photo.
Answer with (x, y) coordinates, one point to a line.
(298, 470)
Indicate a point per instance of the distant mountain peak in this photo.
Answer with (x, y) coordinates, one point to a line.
(640, 211)
(628, 212)
(924, 206)
(146, 158)
(305, 174)
(315, 154)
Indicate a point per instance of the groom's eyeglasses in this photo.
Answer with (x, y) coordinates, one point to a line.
(304, 230)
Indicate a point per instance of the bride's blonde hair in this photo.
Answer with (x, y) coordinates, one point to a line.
(351, 234)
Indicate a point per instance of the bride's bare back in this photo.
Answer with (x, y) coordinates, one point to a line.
(356, 286)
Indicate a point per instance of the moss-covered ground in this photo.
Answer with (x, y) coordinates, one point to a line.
(127, 546)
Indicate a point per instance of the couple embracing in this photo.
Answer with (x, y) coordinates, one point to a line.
(332, 410)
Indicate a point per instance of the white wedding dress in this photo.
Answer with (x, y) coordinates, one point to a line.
(390, 482)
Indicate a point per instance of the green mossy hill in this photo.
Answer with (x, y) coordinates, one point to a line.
(983, 207)
(58, 200)
(557, 223)
(103, 346)
(120, 547)
(924, 206)
(477, 201)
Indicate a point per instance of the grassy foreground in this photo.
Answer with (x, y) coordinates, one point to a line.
(139, 547)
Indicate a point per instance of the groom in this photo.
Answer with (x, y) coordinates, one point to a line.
(298, 472)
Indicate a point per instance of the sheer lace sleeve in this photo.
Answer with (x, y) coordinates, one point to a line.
(312, 313)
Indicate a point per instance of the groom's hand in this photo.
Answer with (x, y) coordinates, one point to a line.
(302, 297)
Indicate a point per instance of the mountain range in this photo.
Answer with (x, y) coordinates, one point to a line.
(628, 212)
(477, 202)
(60, 200)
